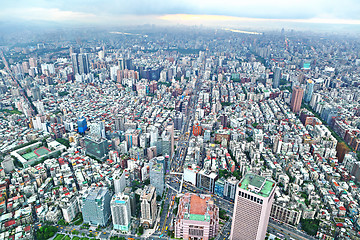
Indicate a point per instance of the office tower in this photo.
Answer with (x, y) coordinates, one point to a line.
(69, 207)
(121, 64)
(253, 202)
(82, 126)
(36, 94)
(98, 148)
(32, 62)
(98, 130)
(119, 123)
(96, 206)
(277, 144)
(277, 76)
(309, 90)
(157, 177)
(121, 212)
(296, 99)
(119, 180)
(154, 132)
(74, 61)
(224, 120)
(84, 64)
(178, 120)
(148, 206)
(197, 217)
(230, 188)
(206, 180)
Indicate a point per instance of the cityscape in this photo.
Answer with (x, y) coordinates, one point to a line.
(182, 131)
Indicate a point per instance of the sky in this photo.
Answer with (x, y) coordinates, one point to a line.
(191, 12)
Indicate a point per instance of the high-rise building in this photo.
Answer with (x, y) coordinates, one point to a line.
(98, 148)
(309, 90)
(69, 207)
(74, 61)
(119, 123)
(277, 76)
(230, 188)
(82, 126)
(96, 206)
(119, 180)
(98, 130)
(197, 217)
(296, 99)
(157, 177)
(148, 206)
(80, 63)
(121, 212)
(253, 202)
(36, 94)
(84, 64)
(178, 121)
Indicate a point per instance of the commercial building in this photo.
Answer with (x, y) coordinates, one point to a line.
(82, 126)
(119, 180)
(157, 177)
(96, 206)
(296, 99)
(286, 214)
(121, 212)
(69, 208)
(197, 217)
(97, 148)
(253, 202)
(206, 180)
(230, 188)
(148, 206)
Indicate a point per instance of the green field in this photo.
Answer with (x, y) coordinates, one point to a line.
(37, 153)
(29, 156)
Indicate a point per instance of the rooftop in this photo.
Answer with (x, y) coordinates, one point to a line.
(257, 184)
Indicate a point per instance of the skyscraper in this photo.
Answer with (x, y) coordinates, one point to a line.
(96, 206)
(121, 212)
(277, 76)
(197, 217)
(84, 65)
(74, 61)
(157, 177)
(253, 202)
(296, 99)
(309, 90)
(82, 126)
(148, 206)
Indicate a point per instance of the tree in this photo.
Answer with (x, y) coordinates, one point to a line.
(46, 232)
(140, 230)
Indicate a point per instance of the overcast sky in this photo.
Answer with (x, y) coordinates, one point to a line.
(181, 11)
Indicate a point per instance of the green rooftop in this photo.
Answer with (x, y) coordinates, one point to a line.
(198, 217)
(257, 184)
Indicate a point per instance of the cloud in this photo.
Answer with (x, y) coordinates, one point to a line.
(110, 11)
(218, 19)
(49, 14)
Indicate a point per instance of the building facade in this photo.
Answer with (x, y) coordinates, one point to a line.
(253, 202)
(96, 206)
(148, 206)
(197, 217)
(121, 212)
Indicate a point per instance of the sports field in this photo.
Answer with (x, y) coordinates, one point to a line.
(37, 153)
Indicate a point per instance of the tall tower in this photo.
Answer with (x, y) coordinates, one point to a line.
(253, 202)
(121, 212)
(277, 76)
(309, 90)
(84, 66)
(148, 206)
(74, 60)
(296, 99)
